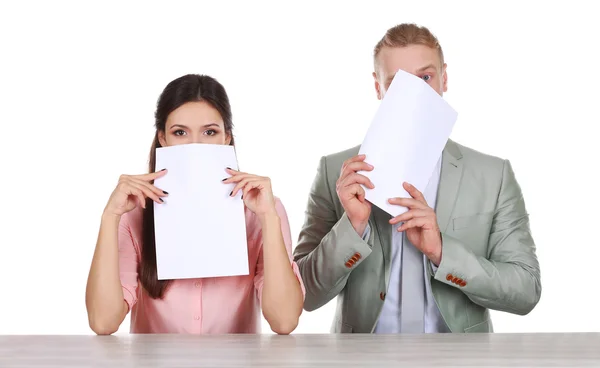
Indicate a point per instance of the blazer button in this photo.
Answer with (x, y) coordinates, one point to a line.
(382, 296)
(357, 255)
(455, 280)
(463, 283)
(449, 277)
(349, 264)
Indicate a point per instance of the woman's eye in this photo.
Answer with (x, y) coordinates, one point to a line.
(179, 132)
(210, 132)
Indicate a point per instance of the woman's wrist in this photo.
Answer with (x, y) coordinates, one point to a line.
(269, 215)
(109, 217)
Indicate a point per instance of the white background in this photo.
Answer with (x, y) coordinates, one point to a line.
(79, 83)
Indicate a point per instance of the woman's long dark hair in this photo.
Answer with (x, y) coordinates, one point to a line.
(189, 88)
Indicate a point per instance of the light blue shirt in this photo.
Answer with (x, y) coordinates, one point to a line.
(389, 319)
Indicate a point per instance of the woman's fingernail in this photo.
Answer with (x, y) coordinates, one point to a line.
(224, 179)
(161, 200)
(164, 191)
(242, 196)
(230, 194)
(163, 170)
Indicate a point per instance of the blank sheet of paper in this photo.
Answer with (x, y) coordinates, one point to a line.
(405, 139)
(200, 230)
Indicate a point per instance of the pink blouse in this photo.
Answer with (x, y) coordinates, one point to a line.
(198, 306)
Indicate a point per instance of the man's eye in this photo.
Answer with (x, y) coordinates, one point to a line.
(426, 78)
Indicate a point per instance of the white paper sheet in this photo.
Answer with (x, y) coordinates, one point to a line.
(200, 230)
(405, 139)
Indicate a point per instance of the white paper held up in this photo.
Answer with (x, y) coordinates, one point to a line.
(200, 230)
(405, 140)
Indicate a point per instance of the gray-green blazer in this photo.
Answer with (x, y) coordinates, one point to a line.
(488, 254)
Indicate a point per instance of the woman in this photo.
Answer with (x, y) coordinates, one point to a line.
(123, 275)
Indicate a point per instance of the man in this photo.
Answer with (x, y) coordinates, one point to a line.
(463, 247)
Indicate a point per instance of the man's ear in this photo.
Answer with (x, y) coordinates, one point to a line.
(377, 87)
(444, 78)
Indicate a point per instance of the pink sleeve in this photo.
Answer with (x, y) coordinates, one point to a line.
(287, 239)
(128, 261)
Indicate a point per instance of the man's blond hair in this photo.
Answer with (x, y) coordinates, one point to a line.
(406, 34)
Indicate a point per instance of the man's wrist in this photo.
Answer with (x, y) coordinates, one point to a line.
(359, 227)
(436, 259)
(436, 256)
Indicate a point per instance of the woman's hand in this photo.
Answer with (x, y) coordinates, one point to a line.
(133, 190)
(256, 191)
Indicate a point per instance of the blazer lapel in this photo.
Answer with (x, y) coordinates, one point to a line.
(451, 175)
(384, 232)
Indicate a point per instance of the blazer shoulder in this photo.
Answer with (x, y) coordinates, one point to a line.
(336, 160)
(479, 160)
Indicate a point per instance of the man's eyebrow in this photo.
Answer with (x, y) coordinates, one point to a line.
(429, 66)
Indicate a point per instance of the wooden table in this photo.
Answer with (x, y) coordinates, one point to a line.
(442, 350)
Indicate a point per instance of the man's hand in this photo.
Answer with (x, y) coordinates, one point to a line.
(352, 195)
(420, 224)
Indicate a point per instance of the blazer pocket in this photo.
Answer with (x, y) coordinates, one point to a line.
(481, 327)
(343, 327)
(478, 219)
(347, 328)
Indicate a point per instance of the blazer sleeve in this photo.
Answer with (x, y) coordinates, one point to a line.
(508, 279)
(328, 248)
